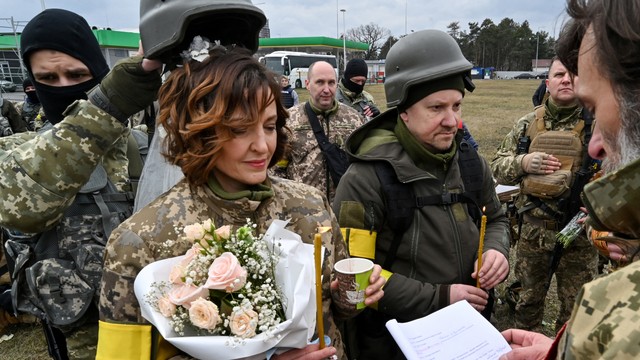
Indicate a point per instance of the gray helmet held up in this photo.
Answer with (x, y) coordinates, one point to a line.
(420, 57)
(168, 26)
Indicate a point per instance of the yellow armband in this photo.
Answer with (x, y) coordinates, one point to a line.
(131, 342)
(362, 243)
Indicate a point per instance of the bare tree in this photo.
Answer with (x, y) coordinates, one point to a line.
(370, 34)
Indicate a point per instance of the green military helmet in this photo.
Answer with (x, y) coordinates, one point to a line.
(168, 26)
(419, 57)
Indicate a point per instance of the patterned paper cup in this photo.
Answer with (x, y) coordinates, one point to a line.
(353, 278)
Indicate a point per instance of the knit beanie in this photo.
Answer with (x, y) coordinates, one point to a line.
(356, 67)
(419, 91)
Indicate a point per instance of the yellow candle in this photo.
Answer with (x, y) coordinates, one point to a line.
(483, 227)
(317, 246)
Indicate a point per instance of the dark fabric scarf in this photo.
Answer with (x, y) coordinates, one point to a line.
(56, 99)
(353, 87)
(417, 152)
(325, 113)
(257, 192)
(32, 96)
(561, 114)
(67, 32)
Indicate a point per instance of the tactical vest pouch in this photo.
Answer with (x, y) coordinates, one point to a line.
(59, 291)
(548, 186)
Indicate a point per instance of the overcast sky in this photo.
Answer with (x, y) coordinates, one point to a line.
(289, 18)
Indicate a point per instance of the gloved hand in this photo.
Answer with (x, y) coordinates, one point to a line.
(540, 163)
(128, 88)
(374, 110)
(5, 127)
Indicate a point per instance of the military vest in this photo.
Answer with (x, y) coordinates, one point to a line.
(287, 97)
(56, 274)
(566, 145)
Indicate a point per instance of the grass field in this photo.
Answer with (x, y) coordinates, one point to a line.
(489, 112)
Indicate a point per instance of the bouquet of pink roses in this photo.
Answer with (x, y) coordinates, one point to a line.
(232, 288)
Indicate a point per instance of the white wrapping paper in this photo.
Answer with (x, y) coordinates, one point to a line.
(294, 275)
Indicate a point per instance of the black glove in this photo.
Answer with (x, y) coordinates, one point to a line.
(127, 89)
(374, 110)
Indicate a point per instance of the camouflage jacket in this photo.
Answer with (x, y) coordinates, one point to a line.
(305, 162)
(9, 111)
(604, 320)
(507, 164)
(42, 173)
(139, 240)
(357, 102)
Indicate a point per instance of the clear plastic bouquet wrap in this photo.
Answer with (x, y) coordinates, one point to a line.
(234, 294)
(571, 231)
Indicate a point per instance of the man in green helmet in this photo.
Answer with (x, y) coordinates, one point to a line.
(407, 169)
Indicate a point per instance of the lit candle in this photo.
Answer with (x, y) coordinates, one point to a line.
(317, 246)
(483, 227)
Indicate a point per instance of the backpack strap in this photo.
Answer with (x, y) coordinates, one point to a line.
(401, 202)
(471, 170)
(135, 161)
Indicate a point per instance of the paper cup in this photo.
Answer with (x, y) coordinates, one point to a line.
(353, 278)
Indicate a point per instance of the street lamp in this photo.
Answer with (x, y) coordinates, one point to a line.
(344, 38)
(337, 21)
(405, 17)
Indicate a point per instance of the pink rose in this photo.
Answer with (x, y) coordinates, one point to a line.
(194, 232)
(224, 232)
(178, 270)
(204, 314)
(183, 294)
(166, 307)
(243, 322)
(226, 274)
(176, 274)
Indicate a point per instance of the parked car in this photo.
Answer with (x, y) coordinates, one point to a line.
(543, 75)
(525, 76)
(7, 86)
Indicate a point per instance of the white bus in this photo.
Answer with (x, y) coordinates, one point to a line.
(295, 65)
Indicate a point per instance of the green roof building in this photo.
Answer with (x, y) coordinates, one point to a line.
(121, 44)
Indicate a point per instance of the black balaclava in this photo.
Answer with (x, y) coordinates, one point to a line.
(31, 94)
(67, 32)
(355, 67)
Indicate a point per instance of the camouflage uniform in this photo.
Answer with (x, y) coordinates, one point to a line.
(43, 172)
(305, 162)
(138, 241)
(9, 112)
(536, 244)
(356, 101)
(33, 200)
(604, 322)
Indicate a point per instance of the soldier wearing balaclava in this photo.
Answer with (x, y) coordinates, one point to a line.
(67, 32)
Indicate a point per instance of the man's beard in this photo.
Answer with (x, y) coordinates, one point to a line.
(625, 145)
